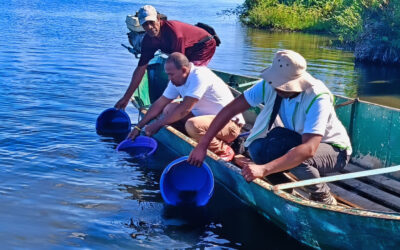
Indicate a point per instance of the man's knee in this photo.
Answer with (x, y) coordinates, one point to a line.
(256, 151)
(304, 172)
(197, 126)
(192, 127)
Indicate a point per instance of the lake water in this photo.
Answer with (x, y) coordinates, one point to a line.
(63, 186)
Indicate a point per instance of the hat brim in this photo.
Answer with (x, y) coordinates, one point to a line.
(297, 84)
(148, 18)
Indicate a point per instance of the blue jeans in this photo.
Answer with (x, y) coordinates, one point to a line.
(279, 141)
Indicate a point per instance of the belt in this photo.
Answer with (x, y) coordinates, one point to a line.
(205, 39)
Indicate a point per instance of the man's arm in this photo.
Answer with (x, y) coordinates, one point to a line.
(137, 77)
(235, 107)
(291, 159)
(183, 109)
(155, 109)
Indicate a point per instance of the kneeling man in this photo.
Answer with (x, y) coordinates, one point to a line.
(313, 142)
(204, 95)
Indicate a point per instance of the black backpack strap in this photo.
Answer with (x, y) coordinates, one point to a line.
(275, 110)
(211, 31)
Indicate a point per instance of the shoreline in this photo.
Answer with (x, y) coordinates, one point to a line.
(369, 31)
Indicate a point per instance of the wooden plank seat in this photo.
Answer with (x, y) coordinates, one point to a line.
(378, 192)
(362, 194)
(357, 194)
(354, 200)
(385, 183)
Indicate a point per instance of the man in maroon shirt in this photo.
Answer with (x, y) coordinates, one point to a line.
(168, 36)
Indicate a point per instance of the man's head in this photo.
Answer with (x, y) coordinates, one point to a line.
(149, 20)
(288, 74)
(177, 68)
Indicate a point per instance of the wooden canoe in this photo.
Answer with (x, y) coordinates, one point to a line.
(367, 216)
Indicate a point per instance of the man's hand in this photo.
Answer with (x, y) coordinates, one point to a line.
(153, 128)
(197, 155)
(251, 171)
(122, 103)
(133, 134)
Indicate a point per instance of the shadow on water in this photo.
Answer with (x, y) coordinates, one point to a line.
(227, 222)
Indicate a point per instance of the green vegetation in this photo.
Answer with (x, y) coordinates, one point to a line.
(370, 27)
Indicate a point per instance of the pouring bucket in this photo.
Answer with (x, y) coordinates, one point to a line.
(185, 184)
(114, 122)
(142, 146)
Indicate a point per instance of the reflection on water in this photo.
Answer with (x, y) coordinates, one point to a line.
(255, 49)
(379, 84)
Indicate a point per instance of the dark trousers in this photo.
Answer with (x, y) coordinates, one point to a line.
(279, 141)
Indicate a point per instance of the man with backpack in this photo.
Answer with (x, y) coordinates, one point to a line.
(168, 36)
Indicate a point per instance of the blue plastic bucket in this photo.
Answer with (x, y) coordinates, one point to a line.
(185, 184)
(115, 122)
(142, 146)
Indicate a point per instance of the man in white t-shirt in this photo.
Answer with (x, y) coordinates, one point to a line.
(204, 94)
(312, 141)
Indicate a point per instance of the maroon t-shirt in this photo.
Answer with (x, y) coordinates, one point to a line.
(178, 37)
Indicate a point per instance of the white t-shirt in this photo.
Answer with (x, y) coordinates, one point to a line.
(213, 94)
(305, 117)
(316, 121)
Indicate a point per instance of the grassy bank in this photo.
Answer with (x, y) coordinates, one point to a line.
(370, 27)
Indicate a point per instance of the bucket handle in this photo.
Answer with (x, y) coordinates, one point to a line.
(182, 160)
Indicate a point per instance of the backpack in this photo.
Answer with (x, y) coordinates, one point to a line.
(210, 30)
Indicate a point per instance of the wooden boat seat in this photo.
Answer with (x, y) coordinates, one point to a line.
(348, 198)
(376, 193)
(381, 190)
(357, 201)
(388, 184)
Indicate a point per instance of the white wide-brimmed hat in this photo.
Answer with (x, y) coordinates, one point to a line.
(132, 23)
(147, 13)
(288, 72)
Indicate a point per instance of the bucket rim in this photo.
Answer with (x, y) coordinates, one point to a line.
(173, 164)
(152, 144)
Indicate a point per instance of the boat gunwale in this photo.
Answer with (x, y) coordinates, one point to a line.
(366, 102)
